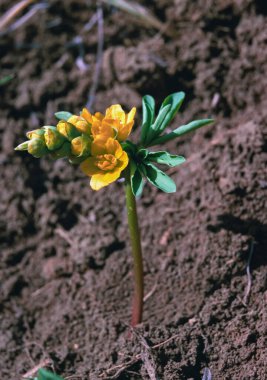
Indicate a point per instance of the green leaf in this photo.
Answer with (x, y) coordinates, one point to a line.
(142, 154)
(63, 115)
(137, 182)
(43, 374)
(148, 104)
(175, 101)
(158, 178)
(6, 79)
(155, 128)
(129, 147)
(165, 158)
(181, 131)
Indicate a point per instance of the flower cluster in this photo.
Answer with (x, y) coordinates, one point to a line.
(91, 140)
(98, 143)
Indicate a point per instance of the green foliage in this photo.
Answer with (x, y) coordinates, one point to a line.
(43, 374)
(148, 104)
(174, 101)
(150, 128)
(165, 158)
(142, 160)
(63, 115)
(182, 131)
(158, 178)
(137, 182)
(6, 79)
(159, 124)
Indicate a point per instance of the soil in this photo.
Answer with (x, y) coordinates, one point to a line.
(66, 263)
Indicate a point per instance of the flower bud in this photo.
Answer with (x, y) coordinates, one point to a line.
(36, 133)
(63, 151)
(68, 130)
(81, 146)
(23, 146)
(37, 147)
(80, 124)
(53, 139)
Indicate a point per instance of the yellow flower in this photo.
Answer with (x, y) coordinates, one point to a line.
(81, 146)
(107, 162)
(91, 118)
(118, 119)
(80, 124)
(98, 124)
(116, 123)
(103, 128)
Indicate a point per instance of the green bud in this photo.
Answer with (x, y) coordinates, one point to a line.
(64, 151)
(53, 139)
(68, 130)
(23, 146)
(36, 133)
(37, 148)
(81, 146)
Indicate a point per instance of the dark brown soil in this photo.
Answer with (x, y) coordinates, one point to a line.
(65, 258)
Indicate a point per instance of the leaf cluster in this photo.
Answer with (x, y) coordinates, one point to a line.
(43, 374)
(152, 133)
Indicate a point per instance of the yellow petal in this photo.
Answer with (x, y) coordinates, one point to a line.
(80, 124)
(87, 115)
(89, 168)
(124, 131)
(131, 115)
(116, 112)
(102, 128)
(123, 161)
(113, 147)
(98, 116)
(104, 178)
(99, 145)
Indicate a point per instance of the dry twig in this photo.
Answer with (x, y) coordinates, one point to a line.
(138, 11)
(151, 292)
(22, 20)
(146, 356)
(248, 288)
(99, 56)
(122, 367)
(7, 18)
(33, 371)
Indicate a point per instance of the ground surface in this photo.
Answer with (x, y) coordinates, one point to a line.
(65, 258)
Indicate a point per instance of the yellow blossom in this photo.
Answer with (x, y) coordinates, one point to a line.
(120, 120)
(80, 124)
(98, 124)
(116, 123)
(91, 118)
(107, 162)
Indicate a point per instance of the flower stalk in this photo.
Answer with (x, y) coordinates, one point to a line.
(137, 307)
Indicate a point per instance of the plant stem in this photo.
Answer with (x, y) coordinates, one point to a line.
(137, 254)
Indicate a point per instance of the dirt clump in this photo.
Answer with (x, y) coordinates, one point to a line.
(65, 257)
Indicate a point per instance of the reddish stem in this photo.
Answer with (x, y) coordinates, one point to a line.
(137, 256)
